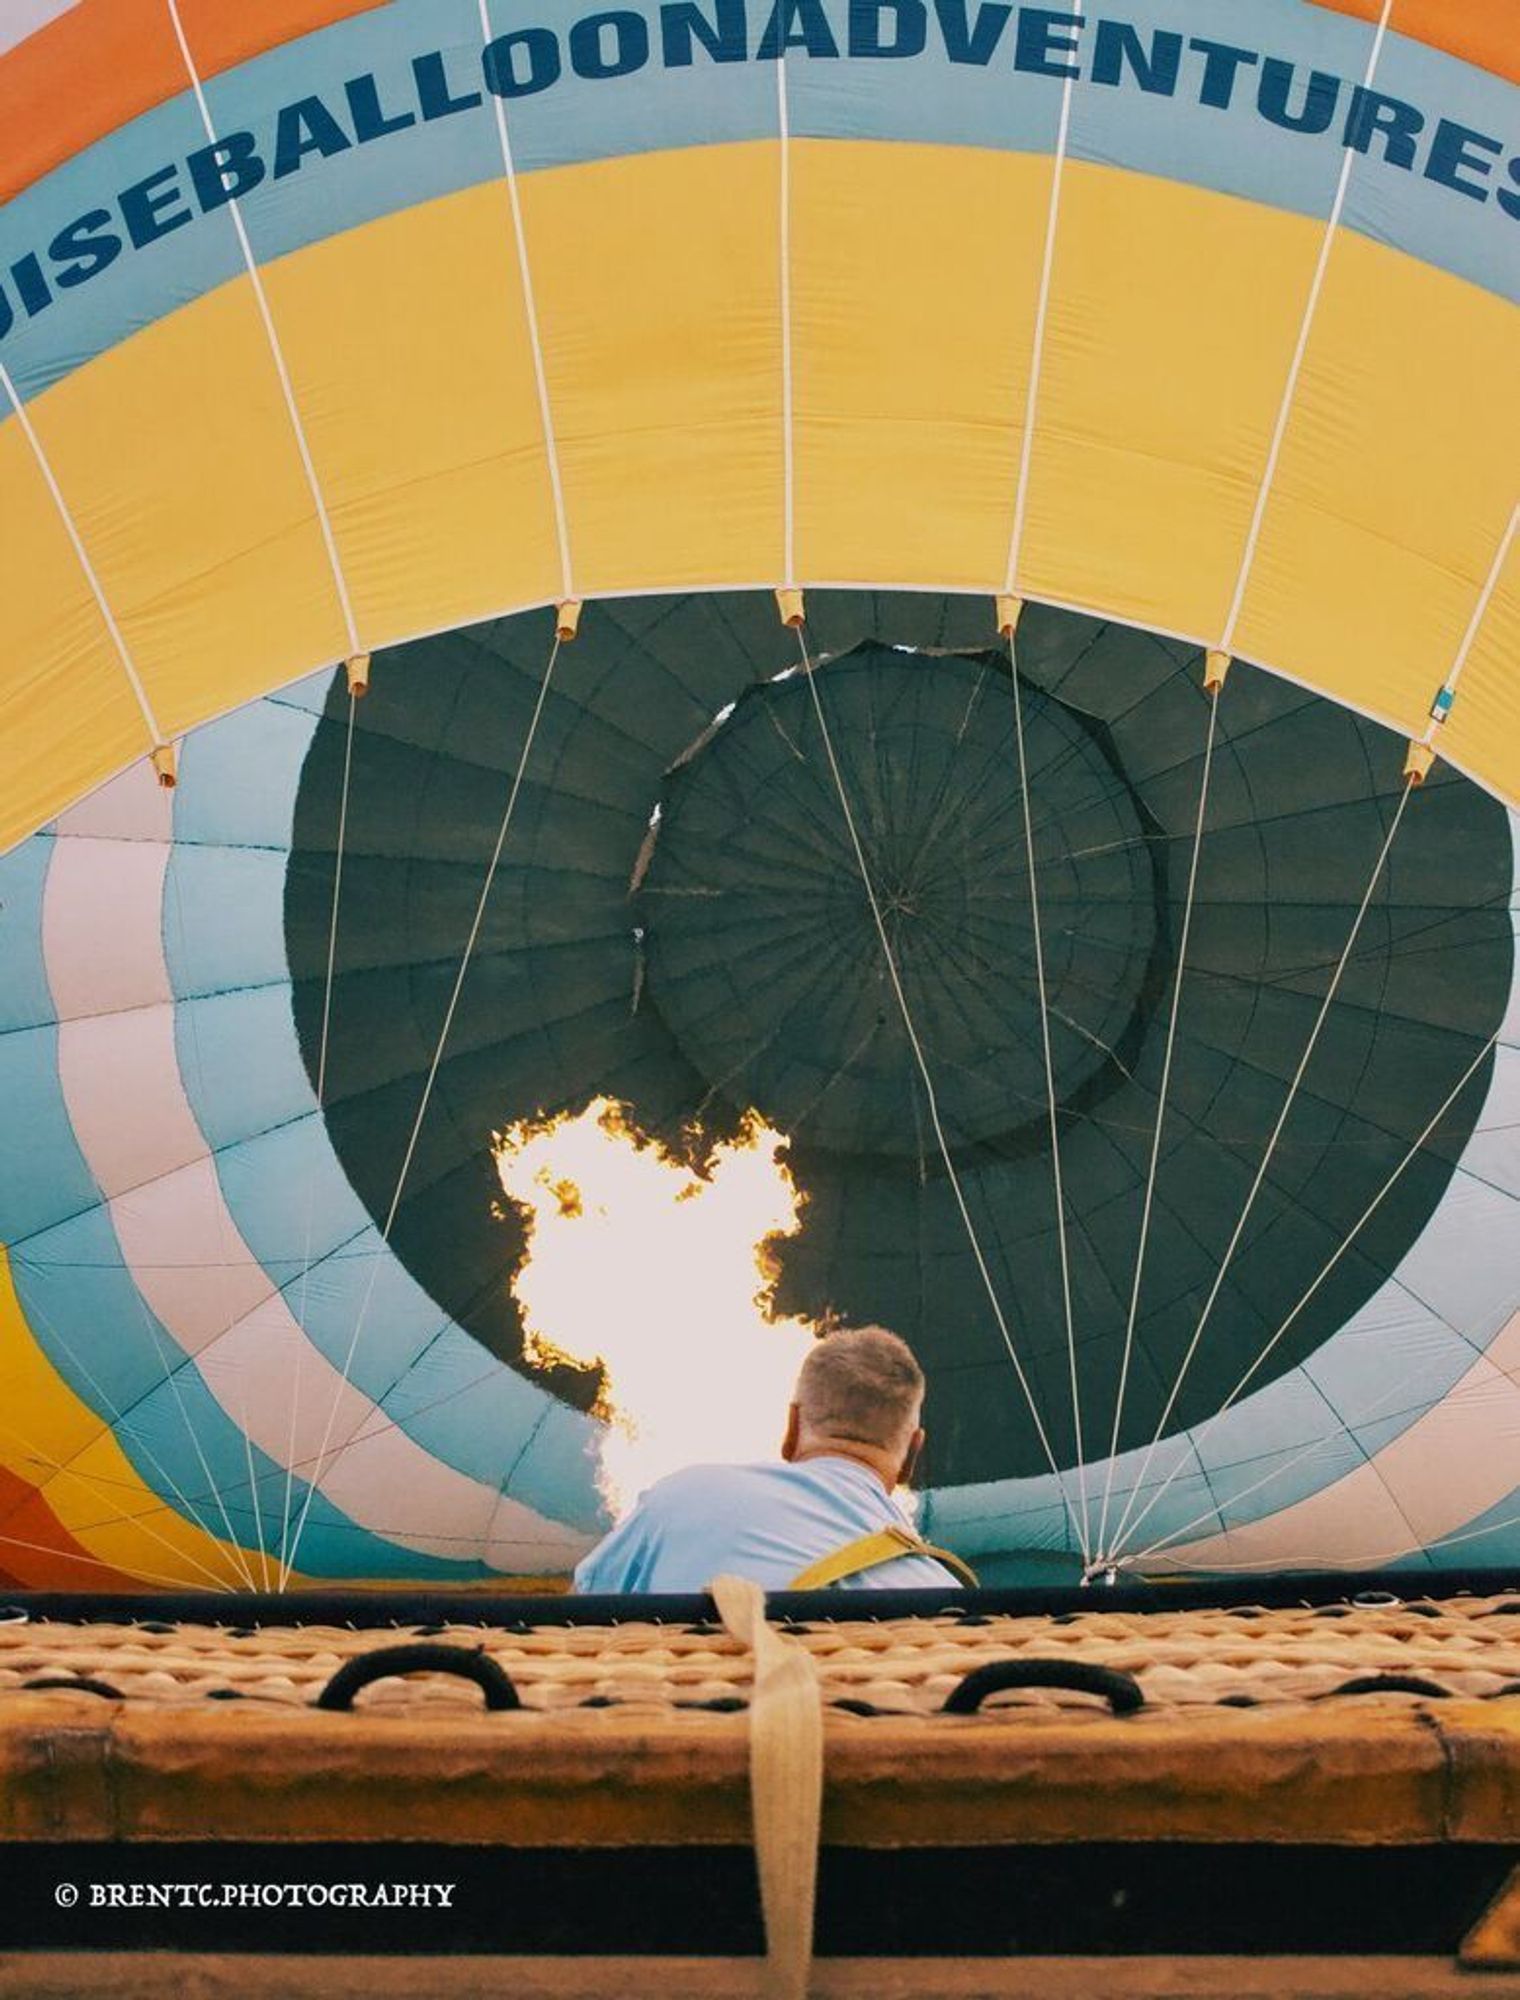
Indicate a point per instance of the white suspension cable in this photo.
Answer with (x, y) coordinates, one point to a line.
(1295, 367)
(277, 352)
(1469, 637)
(1041, 317)
(1439, 711)
(171, 1379)
(1339, 1252)
(1268, 1478)
(116, 1419)
(99, 1562)
(1050, 1092)
(76, 541)
(1161, 1100)
(530, 310)
(1271, 1147)
(378, 1256)
(788, 467)
(321, 1101)
(1078, 1527)
(1315, 1446)
(171, 1382)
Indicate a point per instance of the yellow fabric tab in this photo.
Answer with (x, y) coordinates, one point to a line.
(883, 1545)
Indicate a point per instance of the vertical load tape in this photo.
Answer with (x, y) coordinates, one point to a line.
(786, 1784)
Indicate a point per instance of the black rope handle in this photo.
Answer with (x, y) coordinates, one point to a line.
(471, 1665)
(1391, 1684)
(1120, 1691)
(74, 1684)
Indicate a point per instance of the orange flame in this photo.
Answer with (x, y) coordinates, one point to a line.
(665, 1276)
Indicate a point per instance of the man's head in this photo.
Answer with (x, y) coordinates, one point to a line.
(860, 1394)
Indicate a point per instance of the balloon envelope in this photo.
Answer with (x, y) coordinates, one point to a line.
(360, 330)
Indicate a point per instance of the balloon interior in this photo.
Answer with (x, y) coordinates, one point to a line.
(673, 673)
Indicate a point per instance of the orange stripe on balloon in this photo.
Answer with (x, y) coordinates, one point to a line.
(106, 62)
(1483, 32)
(39, 1553)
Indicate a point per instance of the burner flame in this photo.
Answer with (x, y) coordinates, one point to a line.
(664, 1274)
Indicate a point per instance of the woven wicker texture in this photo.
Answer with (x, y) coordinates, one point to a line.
(1466, 1647)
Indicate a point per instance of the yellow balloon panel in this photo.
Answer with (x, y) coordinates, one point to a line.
(422, 413)
(913, 327)
(1170, 329)
(1398, 470)
(181, 464)
(68, 717)
(663, 356)
(663, 352)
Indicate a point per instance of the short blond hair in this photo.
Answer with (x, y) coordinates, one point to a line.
(861, 1384)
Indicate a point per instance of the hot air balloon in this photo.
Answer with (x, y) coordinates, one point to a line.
(943, 577)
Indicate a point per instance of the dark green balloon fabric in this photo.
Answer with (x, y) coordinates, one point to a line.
(679, 922)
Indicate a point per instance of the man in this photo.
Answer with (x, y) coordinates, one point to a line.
(825, 1515)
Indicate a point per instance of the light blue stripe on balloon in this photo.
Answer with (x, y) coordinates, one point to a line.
(334, 1548)
(1406, 209)
(224, 917)
(226, 772)
(25, 998)
(215, 1036)
(404, 169)
(308, 696)
(43, 1175)
(1476, 1288)
(73, 1283)
(666, 109)
(926, 100)
(1394, 1358)
(1255, 1468)
(1234, 151)
(468, 1409)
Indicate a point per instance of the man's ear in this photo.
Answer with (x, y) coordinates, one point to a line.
(793, 1432)
(910, 1457)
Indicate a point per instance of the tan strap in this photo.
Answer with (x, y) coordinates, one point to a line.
(786, 1783)
(882, 1545)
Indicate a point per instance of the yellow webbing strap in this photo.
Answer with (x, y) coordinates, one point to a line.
(883, 1545)
(785, 1782)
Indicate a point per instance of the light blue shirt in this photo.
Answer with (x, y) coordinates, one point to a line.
(764, 1522)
